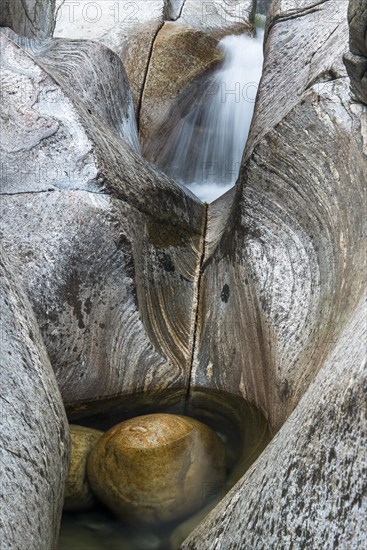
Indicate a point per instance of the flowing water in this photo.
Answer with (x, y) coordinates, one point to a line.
(242, 429)
(206, 147)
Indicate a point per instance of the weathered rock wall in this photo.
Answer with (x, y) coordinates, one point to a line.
(34, 430)
(28, 17)
(308, 488)
(356, 58)
(282, 278)
(107, 247)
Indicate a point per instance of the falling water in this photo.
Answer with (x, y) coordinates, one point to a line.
(207, 144)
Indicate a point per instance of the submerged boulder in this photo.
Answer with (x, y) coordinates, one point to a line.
(78, 495)
(154, 468)
(34, 430)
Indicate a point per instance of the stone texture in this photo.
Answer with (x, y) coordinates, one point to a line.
(34, 430)
(107, 247)
(128, 28)
(308, 488)
(28, 17)
(288, 266)
(153, 468)
(356, 59)
(180, 57)
(290, 257)
(78, 495)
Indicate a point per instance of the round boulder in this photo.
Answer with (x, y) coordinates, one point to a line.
(156, 468)
(77, 492)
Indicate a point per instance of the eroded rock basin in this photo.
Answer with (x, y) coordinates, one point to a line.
(242, 430)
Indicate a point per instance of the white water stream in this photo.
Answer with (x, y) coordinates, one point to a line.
(209, 142)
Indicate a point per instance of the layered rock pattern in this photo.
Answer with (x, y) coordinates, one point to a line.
(308, 488)
(34, 430)
(356, 59)
(99, 236)
(29, 17)
(283, 276)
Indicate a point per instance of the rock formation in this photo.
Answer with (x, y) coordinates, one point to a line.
(34, 430)
(29, 17)
(107, 247)
(78, 495)
(356, 59)
(153, 468)
(290, 258)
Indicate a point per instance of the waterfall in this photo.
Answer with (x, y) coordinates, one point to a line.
(207, 144)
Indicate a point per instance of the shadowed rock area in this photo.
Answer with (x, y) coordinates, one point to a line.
(28, 17)
(34, 430)
(356, 59)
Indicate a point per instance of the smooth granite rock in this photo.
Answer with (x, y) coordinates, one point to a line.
(78, 495)
(34, 431)
(153, 468)
(308, 488)
(107, 247)
(282, 275)
(180, 56)
(128, 28)
(28, 17)
(356, 59)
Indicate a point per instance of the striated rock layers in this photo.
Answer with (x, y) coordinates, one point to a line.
(282, 315)
(107, 247)
(34, 431)
(282, 276)
(28, 17)
(356, 59)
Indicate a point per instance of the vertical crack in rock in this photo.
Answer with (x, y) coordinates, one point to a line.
(197, 302)
(146, 76)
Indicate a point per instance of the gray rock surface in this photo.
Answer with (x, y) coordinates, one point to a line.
(308, 488)
(28, 17)
(34, 430)
(108, 248)
(291, 255)
(356, 59)
(128, 28)
(289, 267)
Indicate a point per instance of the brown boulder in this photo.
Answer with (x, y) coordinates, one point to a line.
(154, 468)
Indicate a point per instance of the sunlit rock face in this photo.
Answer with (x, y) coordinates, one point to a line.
(356, 59)
(78, 495)
(106, 246)
(155, 468)
(34, 435)
(28, 17)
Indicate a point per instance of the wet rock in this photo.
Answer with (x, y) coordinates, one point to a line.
(292, 249)
(313, 468)
(356, 59)
(29, 17)
(78, 495)
(180, 56)
(153, 468)
(34, 430)
(92, 226)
